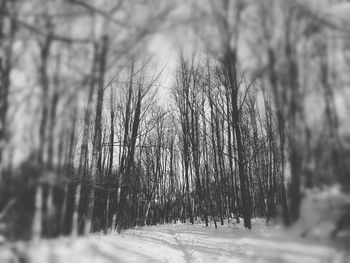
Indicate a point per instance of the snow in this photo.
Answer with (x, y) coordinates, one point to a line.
(182, 243)
(320, 211)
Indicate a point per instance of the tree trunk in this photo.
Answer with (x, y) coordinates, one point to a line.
(5, 70)
(229, 63)
(96, 151)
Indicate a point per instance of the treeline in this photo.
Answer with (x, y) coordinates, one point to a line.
(160, 164)
(244, 131)
(229, 143)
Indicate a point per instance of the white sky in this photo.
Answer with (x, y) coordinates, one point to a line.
(165, 55)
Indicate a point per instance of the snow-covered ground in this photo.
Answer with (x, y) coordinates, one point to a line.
(182, 243)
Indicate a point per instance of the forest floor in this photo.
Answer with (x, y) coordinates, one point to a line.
(182, 243)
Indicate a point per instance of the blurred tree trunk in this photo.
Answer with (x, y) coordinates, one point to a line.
(69, 188)
(53, 115)
(83, 157)
(37, 220)
(44, 83)
(271, 154)
(296, 115)
(87, 117)
(281, 103)
(129, 165)
(229, 64)
(52, 176)
(6, 43)
(96, 150)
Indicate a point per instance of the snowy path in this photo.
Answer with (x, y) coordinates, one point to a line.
(186, 243)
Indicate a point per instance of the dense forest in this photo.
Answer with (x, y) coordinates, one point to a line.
(98, 134)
